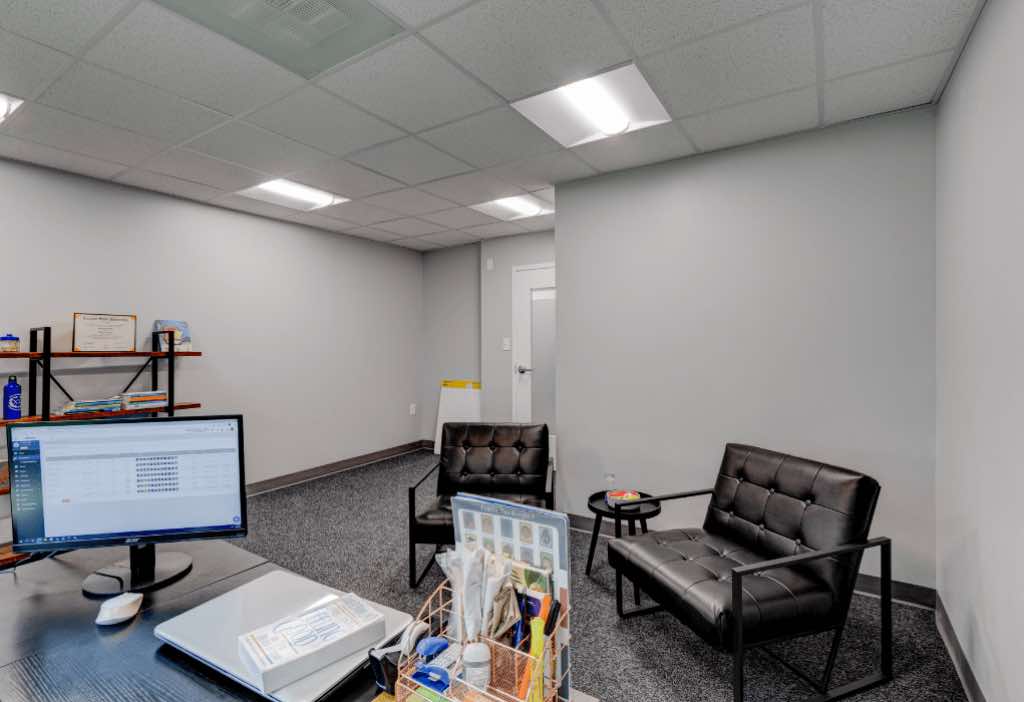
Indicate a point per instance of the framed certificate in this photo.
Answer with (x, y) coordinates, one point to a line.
(103, 332)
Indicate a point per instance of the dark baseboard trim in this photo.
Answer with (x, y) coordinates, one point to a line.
(956, 652)
(867, 584)
(427, 444)
(906, 592)
(331, 468)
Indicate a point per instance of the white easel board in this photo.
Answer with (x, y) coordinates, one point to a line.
(459, 402)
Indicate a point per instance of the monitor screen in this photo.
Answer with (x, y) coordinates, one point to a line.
(99, 483)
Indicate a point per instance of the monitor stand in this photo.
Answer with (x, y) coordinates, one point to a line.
(144, 570)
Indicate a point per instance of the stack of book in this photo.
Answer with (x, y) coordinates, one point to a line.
(111, 404)
(146, 399)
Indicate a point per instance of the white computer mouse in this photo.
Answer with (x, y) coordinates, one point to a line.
(119, 609)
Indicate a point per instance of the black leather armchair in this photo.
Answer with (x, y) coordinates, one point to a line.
(505, 461)
(777, 558)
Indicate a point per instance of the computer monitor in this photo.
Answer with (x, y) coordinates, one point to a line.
(136, 482)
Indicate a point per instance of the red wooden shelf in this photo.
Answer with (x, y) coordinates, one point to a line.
(7, 556)
(102, 415)
(20, 354)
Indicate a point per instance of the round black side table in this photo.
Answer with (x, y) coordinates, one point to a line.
(638, 513)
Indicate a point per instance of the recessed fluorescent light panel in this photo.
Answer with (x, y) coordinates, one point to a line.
(305, 36)
(513, 208)
(294, 195)
(8, 105)
(612, 103)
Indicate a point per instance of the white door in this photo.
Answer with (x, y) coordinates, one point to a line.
(533, 345)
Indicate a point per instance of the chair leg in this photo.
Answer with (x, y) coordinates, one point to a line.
(880, 677)
(414, 578)
(620, 608)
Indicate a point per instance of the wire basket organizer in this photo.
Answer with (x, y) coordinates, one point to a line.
(509, 666)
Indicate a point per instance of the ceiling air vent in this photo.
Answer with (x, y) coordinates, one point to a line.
(304, 36)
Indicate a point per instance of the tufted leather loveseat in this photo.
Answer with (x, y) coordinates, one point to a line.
(505, 461)
(765, 507)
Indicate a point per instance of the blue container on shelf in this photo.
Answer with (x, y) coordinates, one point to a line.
(12, 399)
(9, 343)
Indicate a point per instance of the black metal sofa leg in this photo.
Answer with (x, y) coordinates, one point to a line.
(620, 608)
(414, 579)
(883, 675)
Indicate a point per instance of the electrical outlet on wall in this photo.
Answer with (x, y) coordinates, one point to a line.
(490, 264)
(412, 408)
(506, 343)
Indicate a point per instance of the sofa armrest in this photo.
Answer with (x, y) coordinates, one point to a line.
(661, 498)
(412, 493)
(883, 542)
(801, 558)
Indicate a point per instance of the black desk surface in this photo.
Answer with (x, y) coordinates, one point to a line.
(51, 649)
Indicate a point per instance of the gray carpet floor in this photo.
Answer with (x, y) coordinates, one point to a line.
(349, 531)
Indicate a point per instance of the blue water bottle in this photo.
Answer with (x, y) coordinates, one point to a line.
(12, 399)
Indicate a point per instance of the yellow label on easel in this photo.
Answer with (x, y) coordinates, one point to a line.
(464, 384)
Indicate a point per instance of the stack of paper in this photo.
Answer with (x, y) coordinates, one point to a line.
(111, 404)
(293, 647)
(146, 399)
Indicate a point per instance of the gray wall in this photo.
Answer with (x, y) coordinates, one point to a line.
(450, 338)
(780, 294)
(980, 350)
(312, 336)
(497, 314)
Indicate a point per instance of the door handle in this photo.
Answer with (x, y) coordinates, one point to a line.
(523, 369)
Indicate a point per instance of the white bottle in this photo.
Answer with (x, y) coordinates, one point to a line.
(476, 665)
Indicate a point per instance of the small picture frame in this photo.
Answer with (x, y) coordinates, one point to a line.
(92, 332)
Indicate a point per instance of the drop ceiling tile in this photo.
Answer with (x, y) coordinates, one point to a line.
(863, 34)
(68, 132)
(546, 194)
(169, 51)
(410, 160)
(411, 85)
(768, 56)
(885, 89)
(359, 213)
(528, 46)
(409, 227)
(409, 202)
(371, 233)
(653, 25)
(245, 204)
(637, 148)
(472, 188)
(417, 244)
(314, 219)
(459, 218)
(21, 150)
(489, 231)
(318, 119)
(346, 179)
(67, 25)
(540, 223)
(168, 184)
(27, 67)
(487, 139)
(257, 148)
(753, 121)
(451, 238)
(122, 102)
(543, 171)
(414, 13)
(199, 168)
